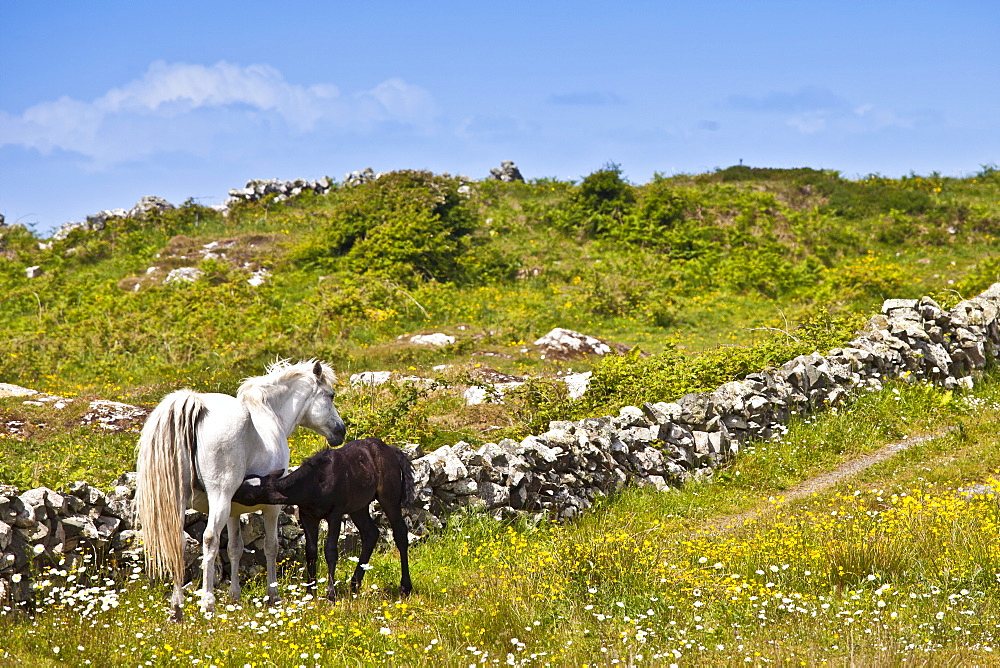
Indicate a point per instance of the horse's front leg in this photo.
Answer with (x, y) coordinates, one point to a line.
(235, 550)
(270, 514)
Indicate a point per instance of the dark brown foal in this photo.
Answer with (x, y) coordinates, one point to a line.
(343, 481)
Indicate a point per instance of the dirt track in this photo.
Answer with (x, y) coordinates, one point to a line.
(823, 482)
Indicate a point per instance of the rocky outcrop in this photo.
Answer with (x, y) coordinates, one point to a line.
(562, 471)
(357, 178)
(507, 173)
(563, 343)
(98, 221)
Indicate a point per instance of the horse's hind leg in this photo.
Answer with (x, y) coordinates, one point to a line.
(235, 550)
(270, 514)
(369, 537)
(218, 512)
(400, 536)
(177, 599)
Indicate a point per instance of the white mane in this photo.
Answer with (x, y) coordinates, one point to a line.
(281, 372)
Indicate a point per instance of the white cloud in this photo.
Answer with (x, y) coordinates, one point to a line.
(173, 89)
(399, 99)
(178, 106)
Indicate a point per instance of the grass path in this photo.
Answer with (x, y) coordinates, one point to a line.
(824, 481)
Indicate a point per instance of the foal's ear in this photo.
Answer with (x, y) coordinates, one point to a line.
(318, 370)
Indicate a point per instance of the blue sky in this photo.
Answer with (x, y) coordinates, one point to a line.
(102, 103)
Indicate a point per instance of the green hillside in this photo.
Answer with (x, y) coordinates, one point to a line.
(706, 277)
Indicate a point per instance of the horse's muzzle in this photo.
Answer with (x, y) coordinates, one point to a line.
(339, 432)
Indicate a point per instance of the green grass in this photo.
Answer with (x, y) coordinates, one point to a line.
(894, 566)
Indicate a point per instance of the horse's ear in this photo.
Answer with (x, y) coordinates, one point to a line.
(318, 370)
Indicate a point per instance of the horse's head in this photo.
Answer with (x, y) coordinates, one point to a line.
(321, 415)
(297, 394)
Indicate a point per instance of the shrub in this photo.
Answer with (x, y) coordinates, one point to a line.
(868, 276)
(598, 205)
(873, 196)
(632, 379)
(406, 226)
(771, 271)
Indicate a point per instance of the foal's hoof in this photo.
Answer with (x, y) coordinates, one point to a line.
(176, 615)
(273, 601)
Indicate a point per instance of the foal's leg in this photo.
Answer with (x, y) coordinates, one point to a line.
(369, 537)
(400, 536)
(270, 514)
(235, 550)
(333, 521)
(310, 526)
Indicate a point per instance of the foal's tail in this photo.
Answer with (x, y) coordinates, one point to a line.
(164, 468)
(406, 475)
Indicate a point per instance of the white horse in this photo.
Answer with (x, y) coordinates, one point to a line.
(196, 449)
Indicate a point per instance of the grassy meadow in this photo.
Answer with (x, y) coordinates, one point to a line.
(706, 277)
(898, 566)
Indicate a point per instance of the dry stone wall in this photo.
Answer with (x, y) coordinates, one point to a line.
(562, 471)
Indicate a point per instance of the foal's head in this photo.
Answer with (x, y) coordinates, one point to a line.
(256, 490)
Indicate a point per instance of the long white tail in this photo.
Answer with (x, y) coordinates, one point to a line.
(163, 489)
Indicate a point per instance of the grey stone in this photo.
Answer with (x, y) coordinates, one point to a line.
(79, 526)
(662, 412)
(508, 172)
(6, 536)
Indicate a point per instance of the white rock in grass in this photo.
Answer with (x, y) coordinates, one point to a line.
(10, 390)
(183, 274)
(493, 394)
(258, 277)
(437, 340)
(564, 343)
(577, 383)
(371, 378)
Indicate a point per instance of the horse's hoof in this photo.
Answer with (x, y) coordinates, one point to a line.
(273, 601)
(177, 616)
